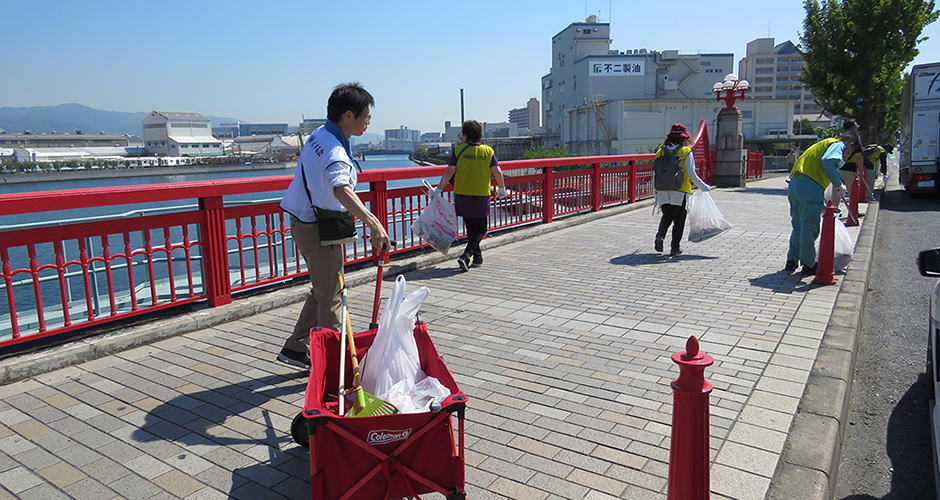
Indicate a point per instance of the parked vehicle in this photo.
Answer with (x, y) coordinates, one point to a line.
(920, 129)
(928, 263)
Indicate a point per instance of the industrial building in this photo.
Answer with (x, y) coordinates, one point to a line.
(599, 101)
(179, 134)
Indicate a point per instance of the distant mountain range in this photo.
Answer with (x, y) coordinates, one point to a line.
(68, 118)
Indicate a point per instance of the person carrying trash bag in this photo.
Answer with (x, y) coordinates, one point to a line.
(673, 176)
(471, 165)
(816, 168)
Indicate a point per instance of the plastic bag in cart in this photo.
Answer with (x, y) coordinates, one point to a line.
(410, 397)
(705, 220)
(394, 355)
(437, 224)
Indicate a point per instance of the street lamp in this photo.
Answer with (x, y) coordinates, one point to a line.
(730, 90)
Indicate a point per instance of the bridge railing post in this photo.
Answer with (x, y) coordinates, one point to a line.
(548, 196)
(214, 256)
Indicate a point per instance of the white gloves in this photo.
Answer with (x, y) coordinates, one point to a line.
(837, 194)
(501, 193)
(706, 188)
(434, 192)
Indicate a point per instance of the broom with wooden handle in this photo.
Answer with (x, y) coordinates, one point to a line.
(365, 404)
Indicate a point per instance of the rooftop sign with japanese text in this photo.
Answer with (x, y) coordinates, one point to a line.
(608, 68)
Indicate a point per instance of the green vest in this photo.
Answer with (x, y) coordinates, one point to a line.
(810, 162)
(683, 153)
(473, 170)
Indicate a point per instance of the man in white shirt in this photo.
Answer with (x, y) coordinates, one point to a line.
(326, 178)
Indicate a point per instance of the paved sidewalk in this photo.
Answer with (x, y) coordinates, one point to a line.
(562, 341)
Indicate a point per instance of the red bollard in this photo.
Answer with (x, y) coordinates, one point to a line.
(825, 261)
(689, 453)
(853, 203)
(862, 176)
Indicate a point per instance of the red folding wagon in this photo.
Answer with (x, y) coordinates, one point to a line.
(379, 457)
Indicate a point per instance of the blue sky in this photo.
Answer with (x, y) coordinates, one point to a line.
(278, 61)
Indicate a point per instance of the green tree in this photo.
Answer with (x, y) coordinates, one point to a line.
(543, 151)
(854, 52)
(421, 152)
(803, 127)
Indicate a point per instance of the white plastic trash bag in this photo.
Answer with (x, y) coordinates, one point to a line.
(393, 356)
(437, 224)
(705, 220)
(844, 247)
(410, 397)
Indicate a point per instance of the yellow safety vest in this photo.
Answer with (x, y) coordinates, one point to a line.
(473, 170)
(810, 162)
(876, 153)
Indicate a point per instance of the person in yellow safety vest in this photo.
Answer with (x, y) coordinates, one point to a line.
(471, 165)
(854, 164)
(816, 168)
(870, 155)
(674, 204)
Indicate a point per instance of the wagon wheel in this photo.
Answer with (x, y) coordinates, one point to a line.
(298, 430)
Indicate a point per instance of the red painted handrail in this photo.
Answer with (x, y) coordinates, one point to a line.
(124, 267)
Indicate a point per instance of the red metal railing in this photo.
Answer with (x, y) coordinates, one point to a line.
(58, 279)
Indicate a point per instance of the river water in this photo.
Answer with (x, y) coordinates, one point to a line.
(64, 216)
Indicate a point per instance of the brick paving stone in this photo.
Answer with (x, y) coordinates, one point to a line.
(36, 459)
(43, 491)
(134, 486)
(208, 493)
(519, 491)
(106, 470)
(30, 429)
(79, 455)
(597, 482)
(61, 474)
(19, 480)
(251, 491)
(14, 444)
(88, 488)
(178, 483)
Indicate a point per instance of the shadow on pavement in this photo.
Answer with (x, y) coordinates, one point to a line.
(198, 420)
(909, 447)
(765, 191)
(641, 259)
(430, 273)
(783, 282)
(902, 201)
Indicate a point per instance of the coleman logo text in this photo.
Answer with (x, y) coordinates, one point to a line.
(382, 436)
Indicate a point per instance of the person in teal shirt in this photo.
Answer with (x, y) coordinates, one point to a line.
(814, 171)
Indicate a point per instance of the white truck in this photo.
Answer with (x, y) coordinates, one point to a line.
(920, 129)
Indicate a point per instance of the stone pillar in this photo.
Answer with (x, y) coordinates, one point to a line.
(730, 153)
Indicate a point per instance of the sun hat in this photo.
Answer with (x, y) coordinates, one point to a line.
(678, 132)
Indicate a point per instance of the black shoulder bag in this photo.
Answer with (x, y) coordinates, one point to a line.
(337, 227)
